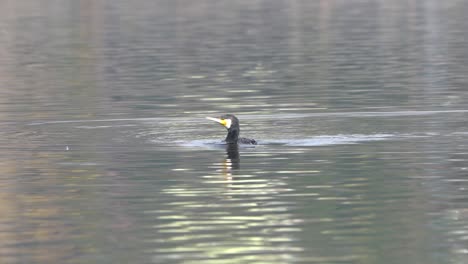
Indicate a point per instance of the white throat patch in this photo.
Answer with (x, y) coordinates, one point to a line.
(227, 123)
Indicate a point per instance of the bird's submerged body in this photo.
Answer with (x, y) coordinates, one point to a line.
(231, 123)
(248, 141)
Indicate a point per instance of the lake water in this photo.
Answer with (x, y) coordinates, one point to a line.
(359, 107)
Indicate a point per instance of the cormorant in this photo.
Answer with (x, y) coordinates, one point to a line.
(231, 123)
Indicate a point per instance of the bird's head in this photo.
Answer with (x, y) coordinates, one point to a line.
(230, 122)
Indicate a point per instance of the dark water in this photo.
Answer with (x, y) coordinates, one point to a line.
(360, 109)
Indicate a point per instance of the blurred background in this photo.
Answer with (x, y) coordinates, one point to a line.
(359, 108)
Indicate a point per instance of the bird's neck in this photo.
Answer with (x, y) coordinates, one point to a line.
(232, 136)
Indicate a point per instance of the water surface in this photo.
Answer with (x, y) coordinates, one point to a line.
(359, 108)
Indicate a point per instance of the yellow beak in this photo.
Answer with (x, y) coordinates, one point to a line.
(223, 122)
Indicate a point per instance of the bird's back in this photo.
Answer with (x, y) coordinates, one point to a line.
(246, 141)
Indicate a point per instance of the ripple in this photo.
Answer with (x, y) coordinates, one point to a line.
(323, 140)
(330, 140)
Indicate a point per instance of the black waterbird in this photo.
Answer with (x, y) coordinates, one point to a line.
(231, 123)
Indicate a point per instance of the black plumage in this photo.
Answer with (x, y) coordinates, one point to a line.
(231, 123)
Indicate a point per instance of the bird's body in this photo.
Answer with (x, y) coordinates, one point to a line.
(231, 123)
(249, 141)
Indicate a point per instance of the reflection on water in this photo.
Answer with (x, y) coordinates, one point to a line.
(359, 108)
(234, 216)
(232, 161)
